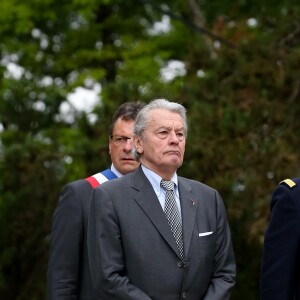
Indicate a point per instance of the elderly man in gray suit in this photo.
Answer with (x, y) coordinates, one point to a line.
(153, 234)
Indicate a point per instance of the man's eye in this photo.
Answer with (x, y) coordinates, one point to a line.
(164, 132)
(121, 139)
(180, 136)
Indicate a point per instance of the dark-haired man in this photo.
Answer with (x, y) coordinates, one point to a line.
(68, 276)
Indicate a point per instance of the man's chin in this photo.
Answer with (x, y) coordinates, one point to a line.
(175, 161)
(129, 167)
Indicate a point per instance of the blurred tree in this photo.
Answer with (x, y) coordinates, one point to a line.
(233, 64)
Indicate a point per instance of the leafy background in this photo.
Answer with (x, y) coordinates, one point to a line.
(237, 74)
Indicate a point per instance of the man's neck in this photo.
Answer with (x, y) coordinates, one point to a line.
(165, 175)
(118, 174)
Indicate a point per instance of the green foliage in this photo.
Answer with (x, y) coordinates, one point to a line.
(240, 89)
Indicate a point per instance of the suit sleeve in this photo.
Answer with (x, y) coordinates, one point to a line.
(224, 273)
(65, 245)
(281, 245)
(106, 253)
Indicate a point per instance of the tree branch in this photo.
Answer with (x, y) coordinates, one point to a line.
(192, 26)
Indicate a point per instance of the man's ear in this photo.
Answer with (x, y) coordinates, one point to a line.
(109, 146)
(138, 143)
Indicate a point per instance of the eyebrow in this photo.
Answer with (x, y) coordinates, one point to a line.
(169, 128)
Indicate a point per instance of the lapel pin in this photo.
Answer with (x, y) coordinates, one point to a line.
(193, 202)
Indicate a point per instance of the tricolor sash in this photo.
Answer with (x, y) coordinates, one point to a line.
(99, 178)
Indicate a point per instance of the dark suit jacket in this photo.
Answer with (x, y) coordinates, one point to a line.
(68, 275)
(280, 272)
(133, 253)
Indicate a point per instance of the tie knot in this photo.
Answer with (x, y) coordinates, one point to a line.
(167, 185)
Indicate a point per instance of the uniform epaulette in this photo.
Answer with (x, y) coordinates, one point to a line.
(289, 182)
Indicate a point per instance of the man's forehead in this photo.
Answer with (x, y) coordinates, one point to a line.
(122, 126)
(163, 116)
(166, 124)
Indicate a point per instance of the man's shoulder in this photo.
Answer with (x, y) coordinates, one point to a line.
(77, 184)
(91, 181)
(100, 178)
(123, 180)
(292, 185)
(133, 179)
(287, 188)
(194, 183)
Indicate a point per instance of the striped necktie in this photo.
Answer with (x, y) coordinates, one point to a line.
(172, 214)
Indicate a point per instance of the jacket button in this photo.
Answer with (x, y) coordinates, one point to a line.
(180, 264)
(184, 295)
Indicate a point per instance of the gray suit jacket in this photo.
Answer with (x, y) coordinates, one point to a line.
(133, 253)
(68, 275)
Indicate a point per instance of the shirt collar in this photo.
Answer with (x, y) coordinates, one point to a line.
(114, 170)
(156, 179)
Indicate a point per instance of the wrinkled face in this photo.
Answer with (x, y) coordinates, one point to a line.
(163, 144)
(120, 147)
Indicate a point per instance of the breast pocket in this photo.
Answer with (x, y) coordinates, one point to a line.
(206, 233)
(206, 243)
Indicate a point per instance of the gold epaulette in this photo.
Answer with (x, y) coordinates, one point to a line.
(290, 183)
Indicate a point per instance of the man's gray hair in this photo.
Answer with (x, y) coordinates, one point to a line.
(142, 119)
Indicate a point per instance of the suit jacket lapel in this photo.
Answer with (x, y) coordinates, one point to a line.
(189, 208)
(147, 200)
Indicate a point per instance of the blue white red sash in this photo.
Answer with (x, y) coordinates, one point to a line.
(99, 178)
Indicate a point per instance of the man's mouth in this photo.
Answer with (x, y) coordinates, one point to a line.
(173, 152)
(128, 158)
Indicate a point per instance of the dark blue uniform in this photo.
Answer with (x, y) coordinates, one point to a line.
(280, 271)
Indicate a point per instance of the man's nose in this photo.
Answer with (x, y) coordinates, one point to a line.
(128, 145)
(173, 137)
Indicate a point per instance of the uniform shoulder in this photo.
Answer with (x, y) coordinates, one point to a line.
(290, 183)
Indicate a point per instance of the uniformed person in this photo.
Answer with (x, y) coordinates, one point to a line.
(280, 270)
